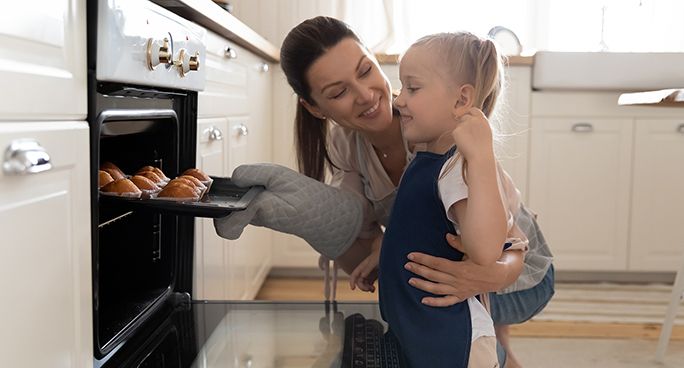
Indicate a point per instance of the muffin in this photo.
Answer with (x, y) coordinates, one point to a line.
(144, 183)
(198, 174)
(152, 176)
(188, 182)
(195, 181)
(103, 178)
(155, 170)
(178, 190)
(109, 167)
(115, 174)
(121, 187)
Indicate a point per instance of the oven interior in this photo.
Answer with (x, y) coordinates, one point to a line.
(138, 254)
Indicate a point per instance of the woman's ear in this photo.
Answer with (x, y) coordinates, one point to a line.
(315, 111)
(465, 98)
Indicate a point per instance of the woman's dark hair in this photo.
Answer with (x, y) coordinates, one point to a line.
(302, 47)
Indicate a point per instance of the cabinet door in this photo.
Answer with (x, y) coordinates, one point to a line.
(658, 196)
(211, 251)
(579, 185)
(43, 60)
(260, 149)
(515, 117)
(45, 253)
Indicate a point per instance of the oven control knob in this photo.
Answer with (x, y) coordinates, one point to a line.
(186, 62)
(157, 54)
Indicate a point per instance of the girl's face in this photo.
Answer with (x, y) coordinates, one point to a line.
(348, 87)
(427, 101)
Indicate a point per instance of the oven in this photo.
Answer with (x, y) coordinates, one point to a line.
(144, 73)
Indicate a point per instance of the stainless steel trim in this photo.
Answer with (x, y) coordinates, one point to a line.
(24, 157)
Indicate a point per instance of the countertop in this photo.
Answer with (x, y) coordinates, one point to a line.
(514, 60)
(208, 14)
(664, 97)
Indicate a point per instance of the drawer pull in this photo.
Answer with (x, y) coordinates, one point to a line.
(680, 128)
(264, 67)
(24, 157)
(242, 130)
(583, 128)
(230, 53)
(214, 133)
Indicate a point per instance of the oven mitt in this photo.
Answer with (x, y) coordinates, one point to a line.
(328, 218)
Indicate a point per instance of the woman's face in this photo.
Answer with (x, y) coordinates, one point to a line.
(348, 87)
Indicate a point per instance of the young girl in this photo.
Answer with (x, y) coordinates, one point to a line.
(450, 83)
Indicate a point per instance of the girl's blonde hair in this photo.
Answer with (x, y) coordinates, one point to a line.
(469, 59)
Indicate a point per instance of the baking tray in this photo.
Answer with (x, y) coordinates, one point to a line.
(222, 199)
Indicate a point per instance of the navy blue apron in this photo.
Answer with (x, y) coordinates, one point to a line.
(428, 336)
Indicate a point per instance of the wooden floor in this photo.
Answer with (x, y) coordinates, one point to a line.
(311, 289)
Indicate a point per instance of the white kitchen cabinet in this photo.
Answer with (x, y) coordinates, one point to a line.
(237, 102)
(45, 253)
(514, 125)
(43, 60)
(656, 242)
(580, 178)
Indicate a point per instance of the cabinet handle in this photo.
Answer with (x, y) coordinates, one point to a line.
(680, 128)
(24, 157)
(264, 67)
(215, 134)
(230, 53)
(583, 128)
(242, 130)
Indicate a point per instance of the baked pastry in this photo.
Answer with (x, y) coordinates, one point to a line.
(155, 170)
(115, 174)
(109, 167)
(178, 190)
(121, 186)
(198, 174)
(194, 180)
(103, 178)
(144, 183)
(197, 189)
(152, 176)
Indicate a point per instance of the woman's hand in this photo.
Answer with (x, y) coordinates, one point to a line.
(366, 273)
(457, 281)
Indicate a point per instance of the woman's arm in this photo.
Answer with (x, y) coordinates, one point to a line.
(457, 281)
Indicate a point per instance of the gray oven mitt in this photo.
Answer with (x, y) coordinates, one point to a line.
(329, 219)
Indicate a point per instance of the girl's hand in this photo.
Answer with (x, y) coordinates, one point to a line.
(454, 281)
(473, 135)
(366, 273)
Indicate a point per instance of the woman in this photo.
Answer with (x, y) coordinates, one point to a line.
(337, 79)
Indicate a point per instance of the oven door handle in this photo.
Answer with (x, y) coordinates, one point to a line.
(24, 157)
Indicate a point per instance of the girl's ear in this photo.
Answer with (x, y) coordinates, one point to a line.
(314, 110)
(465, 98)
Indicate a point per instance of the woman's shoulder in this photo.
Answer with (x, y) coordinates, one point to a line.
(342, 145)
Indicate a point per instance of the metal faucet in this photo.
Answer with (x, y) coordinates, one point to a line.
(499, 29)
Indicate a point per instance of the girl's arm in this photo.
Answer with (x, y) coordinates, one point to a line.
(481, 217)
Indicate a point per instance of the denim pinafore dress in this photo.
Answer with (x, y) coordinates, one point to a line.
(428, 336)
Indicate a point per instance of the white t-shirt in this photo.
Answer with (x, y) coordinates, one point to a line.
(452, 188)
